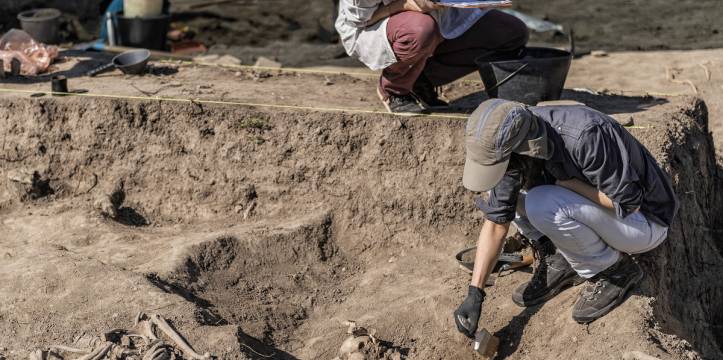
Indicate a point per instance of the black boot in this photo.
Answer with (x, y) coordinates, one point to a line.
(405, 105)
(427, 94)
(552, 274)
(606, 290)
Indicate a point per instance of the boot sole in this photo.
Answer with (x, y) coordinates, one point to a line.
(389, 110)
(572, 280)
(430, 107)
(619, 300)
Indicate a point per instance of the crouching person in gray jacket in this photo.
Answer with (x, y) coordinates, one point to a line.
(579, 186)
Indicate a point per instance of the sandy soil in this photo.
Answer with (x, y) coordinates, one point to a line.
(276, 28)
(270, 227)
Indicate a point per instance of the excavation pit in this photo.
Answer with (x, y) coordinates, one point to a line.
(268, 228)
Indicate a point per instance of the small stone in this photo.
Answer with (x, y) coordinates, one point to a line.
(267, 63)
(629, 122)
(217, 59)
(599, 53)
(106, 207)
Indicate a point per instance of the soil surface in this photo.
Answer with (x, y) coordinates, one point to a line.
(277, 28)
(259, 216)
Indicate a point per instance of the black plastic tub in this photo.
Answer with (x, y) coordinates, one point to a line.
(143, 32)
(42, 24)
(538, 75)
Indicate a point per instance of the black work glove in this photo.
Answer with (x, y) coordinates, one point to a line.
(467, 315)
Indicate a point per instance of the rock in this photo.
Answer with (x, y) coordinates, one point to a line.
(598, 53)
(217, 59)
(105, 207)
(627, 122)
(29, 183)
(353, 344)
(267, 63)
(108, 204)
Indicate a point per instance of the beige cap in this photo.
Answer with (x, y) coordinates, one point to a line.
(493, 131)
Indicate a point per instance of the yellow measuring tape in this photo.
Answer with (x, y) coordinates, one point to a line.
(246, 104)
(235, 103)
(372, 74)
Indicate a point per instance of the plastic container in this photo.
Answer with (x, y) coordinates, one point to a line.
(143, 32)
(539, 75)
(142, 8)
(42, 24)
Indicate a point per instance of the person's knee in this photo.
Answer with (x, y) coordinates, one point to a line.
(516, 32)
(541, 206)
(520, 34)
(418, 35)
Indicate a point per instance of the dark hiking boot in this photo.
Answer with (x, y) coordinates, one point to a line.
(428, 95)
(552, 275)
(406, 105)
(606, 290)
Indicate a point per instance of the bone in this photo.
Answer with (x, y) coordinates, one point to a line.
(157, 351)
(180, 342)
(70, 349)
(99, 353)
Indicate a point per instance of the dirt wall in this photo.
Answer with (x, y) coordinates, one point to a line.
(685, 272)
(386, 184)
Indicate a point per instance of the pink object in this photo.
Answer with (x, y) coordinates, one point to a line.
(34, 57)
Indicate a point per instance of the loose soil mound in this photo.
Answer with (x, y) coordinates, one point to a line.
(264, 232)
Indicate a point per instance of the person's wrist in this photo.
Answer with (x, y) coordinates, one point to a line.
(476, 293)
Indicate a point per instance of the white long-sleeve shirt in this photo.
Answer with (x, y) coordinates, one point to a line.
(369, 43)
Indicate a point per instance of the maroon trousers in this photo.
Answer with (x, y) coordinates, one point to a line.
(421, 49)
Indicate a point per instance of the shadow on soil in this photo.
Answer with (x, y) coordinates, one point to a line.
(130, 217)
(607, 103)
(257, 350)
(512, 333)
(205, 314)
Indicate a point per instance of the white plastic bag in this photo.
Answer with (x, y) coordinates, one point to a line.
(34, 57)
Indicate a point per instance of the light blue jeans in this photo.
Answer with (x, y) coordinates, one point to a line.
(590, 237)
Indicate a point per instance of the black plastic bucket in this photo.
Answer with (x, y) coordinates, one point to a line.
(538, 75)
(143, 32)
(42, 24)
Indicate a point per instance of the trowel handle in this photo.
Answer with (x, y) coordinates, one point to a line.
(100, 69)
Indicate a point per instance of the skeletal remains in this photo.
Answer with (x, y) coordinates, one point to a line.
(140, 343)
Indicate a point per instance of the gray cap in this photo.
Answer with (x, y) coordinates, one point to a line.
(493, 131)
